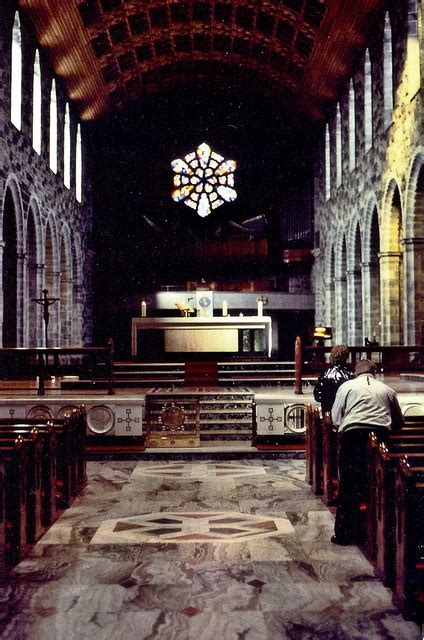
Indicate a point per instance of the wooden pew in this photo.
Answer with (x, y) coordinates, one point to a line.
(408, 589)
(47, 435)
(14, 455)
(2, 520)
(385, 463)
(66, 462)
(34, 526)
(316, 460)
(308, 442)
(330, 475)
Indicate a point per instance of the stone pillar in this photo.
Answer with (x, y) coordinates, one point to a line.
(2, 246)
(77, 310)
(354, 307)
(414, 290)
(21, 288)
(54, 310)
(329, 310)
(391, 298)
(340, 291)
(66, 288)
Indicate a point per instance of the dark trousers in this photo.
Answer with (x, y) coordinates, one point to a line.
(353, 499)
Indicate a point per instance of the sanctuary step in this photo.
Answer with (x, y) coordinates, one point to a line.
(225, 373)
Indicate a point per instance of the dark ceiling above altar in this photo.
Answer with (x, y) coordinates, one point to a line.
(156, 240)
(111, 52)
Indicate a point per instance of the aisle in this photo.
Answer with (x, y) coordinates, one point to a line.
(197, 551)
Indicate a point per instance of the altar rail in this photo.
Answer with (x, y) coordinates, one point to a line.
(22, 363)
(389, 359)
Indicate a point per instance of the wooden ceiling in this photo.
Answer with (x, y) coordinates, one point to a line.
(110, 52)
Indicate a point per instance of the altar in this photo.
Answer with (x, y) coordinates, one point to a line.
(220, 334)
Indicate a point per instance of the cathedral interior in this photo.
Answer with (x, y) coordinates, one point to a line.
(188, 189)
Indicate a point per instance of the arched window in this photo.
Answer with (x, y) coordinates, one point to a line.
(67, 149)
(36, 104)
(338, 146)
(78, 165)
(413, 50)
(16, 74)
(388, 72)
(352, 127)
(368, 123)
(53, 129)
(327, 163)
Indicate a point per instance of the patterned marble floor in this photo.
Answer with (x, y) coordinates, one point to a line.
(196, 551)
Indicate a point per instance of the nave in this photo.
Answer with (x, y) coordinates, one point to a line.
(197, 548)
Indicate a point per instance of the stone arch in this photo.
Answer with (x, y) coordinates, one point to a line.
(340, 287)
(66, 286)
(51, 276)
(328, 285)
(413, 246)
(391, 266)
(354, 282)
(78, 299)
(12, 264)
(34, 274)
(371, 298)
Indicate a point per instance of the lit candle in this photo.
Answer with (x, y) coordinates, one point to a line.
(224, 308)
(143, 309)
(260, 307)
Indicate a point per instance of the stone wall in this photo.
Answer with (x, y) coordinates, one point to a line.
(370, 232)
(43, 228)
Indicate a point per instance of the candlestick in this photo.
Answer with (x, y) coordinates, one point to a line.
(143, 309)
(224, 308)
(260, 307)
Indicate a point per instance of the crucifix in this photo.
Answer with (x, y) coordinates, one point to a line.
(45, 302)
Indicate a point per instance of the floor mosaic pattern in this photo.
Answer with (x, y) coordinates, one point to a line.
(181, 527)
(256, 564)
(197, 471)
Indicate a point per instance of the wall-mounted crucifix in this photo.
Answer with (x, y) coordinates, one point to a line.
(46, 303)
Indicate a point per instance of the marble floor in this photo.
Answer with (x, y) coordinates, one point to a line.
(236, 550)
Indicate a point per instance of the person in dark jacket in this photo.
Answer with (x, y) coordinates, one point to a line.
(327, 384)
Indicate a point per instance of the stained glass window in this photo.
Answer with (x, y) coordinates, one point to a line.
(204, 180)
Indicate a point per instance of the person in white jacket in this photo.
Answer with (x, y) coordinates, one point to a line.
(361, 405)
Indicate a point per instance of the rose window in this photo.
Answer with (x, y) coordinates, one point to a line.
(204, 180)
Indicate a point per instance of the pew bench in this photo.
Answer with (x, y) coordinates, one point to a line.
(408, 588)
(14, 456)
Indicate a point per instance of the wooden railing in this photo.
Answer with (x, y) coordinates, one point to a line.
(22, 363)
(389, 359)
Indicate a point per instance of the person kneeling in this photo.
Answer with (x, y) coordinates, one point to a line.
(361, 405)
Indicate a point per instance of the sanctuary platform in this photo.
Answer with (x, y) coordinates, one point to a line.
(231, 419)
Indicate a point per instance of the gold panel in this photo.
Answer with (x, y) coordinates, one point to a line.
(206, 340)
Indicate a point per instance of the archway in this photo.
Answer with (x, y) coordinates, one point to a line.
(414, 256)
(65, 289)
(355, 320)
(78, 302)
(391, 270)
(51, 274)
(10, 273)
(374, 300)
(34, 280)
(341, 321)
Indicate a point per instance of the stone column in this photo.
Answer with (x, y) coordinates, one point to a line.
(413, 302)
(2, 246)
(77, 310)
(21, 288)
(329, 310)
(354, 307)
(54, 310)
(391, 298)
(340, 309)
(66, 287)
